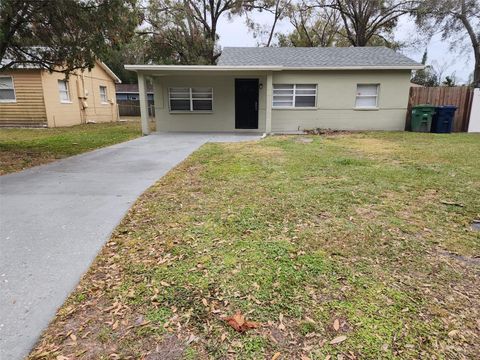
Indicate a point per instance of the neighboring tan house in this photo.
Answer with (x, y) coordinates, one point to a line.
(281, 90)
(32, 97)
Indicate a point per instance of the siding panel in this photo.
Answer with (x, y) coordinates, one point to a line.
(29, 108)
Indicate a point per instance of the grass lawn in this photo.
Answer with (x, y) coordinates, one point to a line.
(354, 246)
(24, 148)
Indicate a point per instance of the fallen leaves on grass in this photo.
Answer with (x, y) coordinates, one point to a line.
(452, 203)
(276, 356)
(336, 325)
(338, 340)
(239, 323)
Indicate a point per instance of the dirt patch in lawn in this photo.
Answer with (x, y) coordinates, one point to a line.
(372, 145)
(16, 160)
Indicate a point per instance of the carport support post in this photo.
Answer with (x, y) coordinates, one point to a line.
(142, 91)
(268, 105)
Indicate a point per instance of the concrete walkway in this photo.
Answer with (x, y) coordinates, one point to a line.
(55, 218)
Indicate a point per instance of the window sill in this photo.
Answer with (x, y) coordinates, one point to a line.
(191, 112)
(366, 108)
(295, 108)
(66, 102)
(104, 103)
(8, 101)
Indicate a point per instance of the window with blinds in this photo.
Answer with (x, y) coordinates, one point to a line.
(191, 99)
(294, 95)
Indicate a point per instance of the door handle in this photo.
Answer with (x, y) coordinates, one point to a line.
(256, 105)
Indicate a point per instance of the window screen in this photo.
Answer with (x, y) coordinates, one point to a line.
(103, 94)
(7, 90)
(63, 91)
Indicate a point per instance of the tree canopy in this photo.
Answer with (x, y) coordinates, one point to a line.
(313, 27)
(63, 35)
(186, 31)
(459, 22)
(427, 76)
(344, 23)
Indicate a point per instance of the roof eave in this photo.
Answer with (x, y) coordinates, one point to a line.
(224, 68)
(200, 68)
(109, 71)
(394, 67)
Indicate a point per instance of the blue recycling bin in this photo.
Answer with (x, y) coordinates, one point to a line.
(442, 122)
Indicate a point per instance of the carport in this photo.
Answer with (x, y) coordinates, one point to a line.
(238, 97)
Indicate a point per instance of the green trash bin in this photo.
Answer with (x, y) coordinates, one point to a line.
(422, 116)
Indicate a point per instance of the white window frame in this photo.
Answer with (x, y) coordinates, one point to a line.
(106, 94)
(67, 91)
(13, 88)
(295, 95)
(190, 98)
(367, 96)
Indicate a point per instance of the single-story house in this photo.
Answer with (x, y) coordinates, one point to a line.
(129, 92)
(281, 90)
(34, 97)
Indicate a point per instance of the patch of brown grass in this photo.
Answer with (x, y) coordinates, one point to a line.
(17, 160)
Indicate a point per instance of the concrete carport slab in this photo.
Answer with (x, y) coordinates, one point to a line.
(55, 218)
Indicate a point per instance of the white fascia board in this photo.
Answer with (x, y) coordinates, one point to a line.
(222, 68)
(327, 68)
(200, 68)
(109, 71)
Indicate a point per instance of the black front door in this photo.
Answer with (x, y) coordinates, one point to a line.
(246, 103)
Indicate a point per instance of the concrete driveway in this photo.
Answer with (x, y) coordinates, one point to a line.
(55, 218)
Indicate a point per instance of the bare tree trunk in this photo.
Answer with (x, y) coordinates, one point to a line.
(476, 49)
(475, 44)
(277, 14)
(272, 31)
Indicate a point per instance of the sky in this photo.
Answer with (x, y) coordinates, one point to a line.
(235, 33)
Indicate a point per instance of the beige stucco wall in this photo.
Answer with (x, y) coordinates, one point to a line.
(336, 92)
(98, 111)
(335, 101)
(83, 90)
(58, 113)
(221, 119)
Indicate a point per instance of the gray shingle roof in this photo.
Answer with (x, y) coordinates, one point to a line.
(313, 57)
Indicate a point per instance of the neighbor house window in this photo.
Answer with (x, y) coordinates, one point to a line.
(63, 91)
(103, 95)
(7, 89)
(191, 99)
(367, 96)
(294, 95)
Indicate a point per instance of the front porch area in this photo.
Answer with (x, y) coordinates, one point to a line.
(207, 98)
